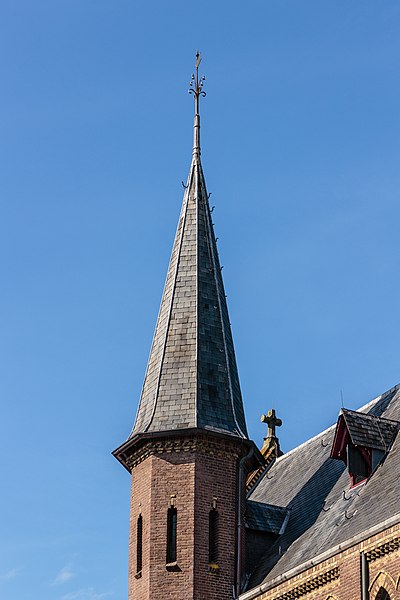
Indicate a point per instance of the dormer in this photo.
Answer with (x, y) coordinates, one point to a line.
(362, 441)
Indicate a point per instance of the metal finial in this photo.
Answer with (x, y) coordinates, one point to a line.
(196, 84)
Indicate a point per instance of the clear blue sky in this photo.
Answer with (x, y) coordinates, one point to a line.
(301, 153)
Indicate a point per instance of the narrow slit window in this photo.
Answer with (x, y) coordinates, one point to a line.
(213, 536)
(171, 534)
(139, 544)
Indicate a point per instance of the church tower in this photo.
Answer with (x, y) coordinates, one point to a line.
(188, 452)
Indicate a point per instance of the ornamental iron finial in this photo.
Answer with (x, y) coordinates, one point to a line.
(196, 84)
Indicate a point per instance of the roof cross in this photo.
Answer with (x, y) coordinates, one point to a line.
(272, 421)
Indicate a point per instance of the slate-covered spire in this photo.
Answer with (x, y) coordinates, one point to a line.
(192, 379)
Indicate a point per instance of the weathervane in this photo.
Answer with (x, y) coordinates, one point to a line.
(196, 84)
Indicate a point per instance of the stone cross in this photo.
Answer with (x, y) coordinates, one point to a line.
(272, 421)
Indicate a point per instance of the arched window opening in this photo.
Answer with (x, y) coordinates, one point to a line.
(139, 544)
(382, 594)
(213, 536)
(171, 534)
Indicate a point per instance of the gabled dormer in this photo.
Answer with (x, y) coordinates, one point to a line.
(362, 441)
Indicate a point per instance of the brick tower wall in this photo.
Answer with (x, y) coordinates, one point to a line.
(139, 583)
(216, 477)
(189, 473)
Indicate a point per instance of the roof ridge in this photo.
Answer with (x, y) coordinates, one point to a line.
(305, 443)
(369, 416)
(365, 407)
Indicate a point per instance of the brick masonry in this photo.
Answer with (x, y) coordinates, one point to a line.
(339, 577)
(190, 472)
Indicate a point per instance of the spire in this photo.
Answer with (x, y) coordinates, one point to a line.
(192, 379)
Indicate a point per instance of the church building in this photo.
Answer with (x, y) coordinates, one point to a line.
(212, 517)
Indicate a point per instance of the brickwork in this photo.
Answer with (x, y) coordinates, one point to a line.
(339, 577)
(192, 473)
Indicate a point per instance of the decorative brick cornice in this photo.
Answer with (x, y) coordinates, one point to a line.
(176, 445)
(310, 585)
(383, 549)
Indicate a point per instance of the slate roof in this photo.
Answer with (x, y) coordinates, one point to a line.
(368, 430)
(266, 517)
(324, 511)
(192, 378)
